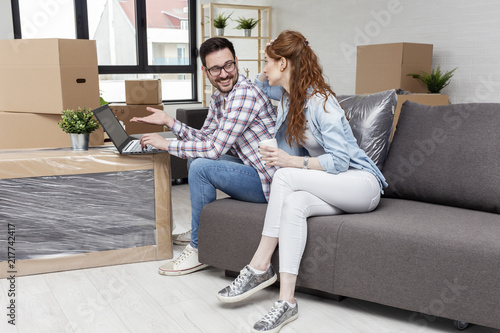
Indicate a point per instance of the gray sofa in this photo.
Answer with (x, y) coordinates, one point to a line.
(431, 247)
(195, 117)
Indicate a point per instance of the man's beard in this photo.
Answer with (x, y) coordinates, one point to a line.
(233, 78)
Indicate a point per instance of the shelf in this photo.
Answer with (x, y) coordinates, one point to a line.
(225, 5)
(240, 37)
(240, 60)
(253, 51)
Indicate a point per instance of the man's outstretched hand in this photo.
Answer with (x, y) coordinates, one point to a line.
(157, 117)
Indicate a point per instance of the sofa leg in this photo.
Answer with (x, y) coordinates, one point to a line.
(323, 294)
(460, 325)
(231, 274)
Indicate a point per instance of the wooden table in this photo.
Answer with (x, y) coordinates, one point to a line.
(72, 210)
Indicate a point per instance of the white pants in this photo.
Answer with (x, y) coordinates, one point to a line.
(298, 193)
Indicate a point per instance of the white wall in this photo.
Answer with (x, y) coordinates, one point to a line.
(6, 28)
(465, 34)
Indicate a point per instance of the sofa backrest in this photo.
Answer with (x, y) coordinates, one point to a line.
(193, 117)
(371, 119)
(447, 155)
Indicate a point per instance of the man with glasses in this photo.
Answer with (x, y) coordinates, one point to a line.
(240, 116)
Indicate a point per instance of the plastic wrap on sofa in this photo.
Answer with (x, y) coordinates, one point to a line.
(371, 118)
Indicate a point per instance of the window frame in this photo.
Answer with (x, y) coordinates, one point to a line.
(142, 67)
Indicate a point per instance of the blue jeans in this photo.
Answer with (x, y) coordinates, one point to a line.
(227, 174)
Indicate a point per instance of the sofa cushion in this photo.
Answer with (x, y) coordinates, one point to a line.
(230, 231)
(446, 155)
(371, 118)
(433, 259)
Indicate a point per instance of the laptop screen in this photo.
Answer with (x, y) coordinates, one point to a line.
(111, 125)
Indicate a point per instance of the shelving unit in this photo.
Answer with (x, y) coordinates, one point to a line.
(249, 50)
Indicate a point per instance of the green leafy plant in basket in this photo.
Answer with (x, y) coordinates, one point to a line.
(78, 122)
(436, 80)
(246, 23)
(220, 21)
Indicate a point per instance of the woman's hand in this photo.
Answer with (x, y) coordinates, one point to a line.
(276, 157)
(155, 140)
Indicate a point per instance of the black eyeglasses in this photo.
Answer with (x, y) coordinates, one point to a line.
(216, 70)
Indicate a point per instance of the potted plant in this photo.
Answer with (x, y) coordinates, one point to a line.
(79, 124)
(247, 24)
(435, 81)
(220, 22)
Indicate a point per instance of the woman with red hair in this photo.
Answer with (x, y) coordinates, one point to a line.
(334, 176)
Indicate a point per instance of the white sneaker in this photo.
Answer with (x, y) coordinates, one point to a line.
(187, 262)
(182, 239)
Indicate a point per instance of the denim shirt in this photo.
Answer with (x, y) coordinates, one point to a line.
(331, 130)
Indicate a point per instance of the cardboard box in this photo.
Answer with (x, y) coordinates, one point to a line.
(426, 99)
(48, 75)
(35, 130)
(385, 66)
(125, 112)
(143, 92)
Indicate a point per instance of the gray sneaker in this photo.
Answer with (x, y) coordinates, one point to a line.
(247, 284)
(279, 315)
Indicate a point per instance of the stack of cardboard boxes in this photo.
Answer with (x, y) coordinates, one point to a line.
(386, 66)
(38, 79)
(139, 94)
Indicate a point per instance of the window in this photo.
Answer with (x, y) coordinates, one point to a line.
(48, 19)
(112, 25)
(135, 39)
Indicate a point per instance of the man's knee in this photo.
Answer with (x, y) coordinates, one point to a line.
(197, 165)
(200, 166)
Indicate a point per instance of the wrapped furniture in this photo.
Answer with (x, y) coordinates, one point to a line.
(73, 209)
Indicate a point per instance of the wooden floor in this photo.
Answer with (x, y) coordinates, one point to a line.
(135, 298)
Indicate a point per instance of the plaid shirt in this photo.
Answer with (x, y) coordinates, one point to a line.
(249, 118)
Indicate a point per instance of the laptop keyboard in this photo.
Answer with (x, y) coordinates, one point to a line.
(135, 147)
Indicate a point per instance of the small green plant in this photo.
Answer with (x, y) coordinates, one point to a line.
(246, 23)
(220, 21)
(435, 81)
(103, 101)
(78, 122)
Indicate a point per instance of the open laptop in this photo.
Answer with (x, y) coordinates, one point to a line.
(123, 142)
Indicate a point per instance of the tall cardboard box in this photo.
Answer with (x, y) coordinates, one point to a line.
(37, 130)
(125, 112)
(385, 66)
(48, 75)
(144, 92)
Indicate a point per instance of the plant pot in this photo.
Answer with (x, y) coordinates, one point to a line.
(219, 31)
(80, 141)
(248, 32)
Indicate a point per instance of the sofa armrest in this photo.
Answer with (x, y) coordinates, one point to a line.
(193, 117)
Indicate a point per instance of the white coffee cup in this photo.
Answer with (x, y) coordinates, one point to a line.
(270, 142)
